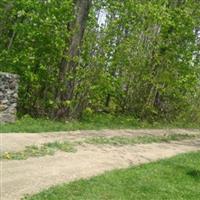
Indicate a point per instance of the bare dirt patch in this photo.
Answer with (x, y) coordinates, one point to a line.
(35, 174)
(18, 141)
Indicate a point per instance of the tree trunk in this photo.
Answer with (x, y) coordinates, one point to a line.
(69, 61)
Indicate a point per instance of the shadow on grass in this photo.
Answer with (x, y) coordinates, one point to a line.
(194, 174)
(189, 171)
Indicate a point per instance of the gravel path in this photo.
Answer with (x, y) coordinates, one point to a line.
(35, 174)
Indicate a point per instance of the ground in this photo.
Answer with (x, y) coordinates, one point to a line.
(20, 177)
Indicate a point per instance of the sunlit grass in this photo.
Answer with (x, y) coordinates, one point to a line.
(177, 178)
(93, 122)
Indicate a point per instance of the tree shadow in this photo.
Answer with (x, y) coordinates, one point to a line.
(194, 173)
(189, 171)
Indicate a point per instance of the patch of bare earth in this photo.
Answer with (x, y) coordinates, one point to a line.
(35, 174)
(18, 141)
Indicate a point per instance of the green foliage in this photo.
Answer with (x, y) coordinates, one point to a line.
(39, 29)
(153, 55)
(177, 178)
(143, 61)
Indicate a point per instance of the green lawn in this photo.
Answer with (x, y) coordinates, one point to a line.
(177, 178)
(93, 122)
(28, 124)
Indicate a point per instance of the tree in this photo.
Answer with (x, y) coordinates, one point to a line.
(69, 63)
(143, 60)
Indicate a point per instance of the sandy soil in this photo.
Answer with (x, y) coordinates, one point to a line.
(35, 174)
(17, 142)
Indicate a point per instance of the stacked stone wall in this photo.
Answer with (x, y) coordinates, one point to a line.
(8, 97)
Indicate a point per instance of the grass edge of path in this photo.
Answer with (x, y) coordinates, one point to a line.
(173, 179)
(96, 122)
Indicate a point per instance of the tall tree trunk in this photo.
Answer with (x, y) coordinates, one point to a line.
(69, 61)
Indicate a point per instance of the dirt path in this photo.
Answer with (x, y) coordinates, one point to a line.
(18, 141)
(36, 174)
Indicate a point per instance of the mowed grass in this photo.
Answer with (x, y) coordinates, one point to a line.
(92, 122)
(177, 178)
(96, 122)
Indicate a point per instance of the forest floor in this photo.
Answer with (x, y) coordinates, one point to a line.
(20, 177)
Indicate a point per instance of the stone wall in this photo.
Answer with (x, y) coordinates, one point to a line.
(8, 97)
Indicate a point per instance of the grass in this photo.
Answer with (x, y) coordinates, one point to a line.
(93, 122)
(38, 151)
(122, 140)
(97, 122)
(177, 178)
